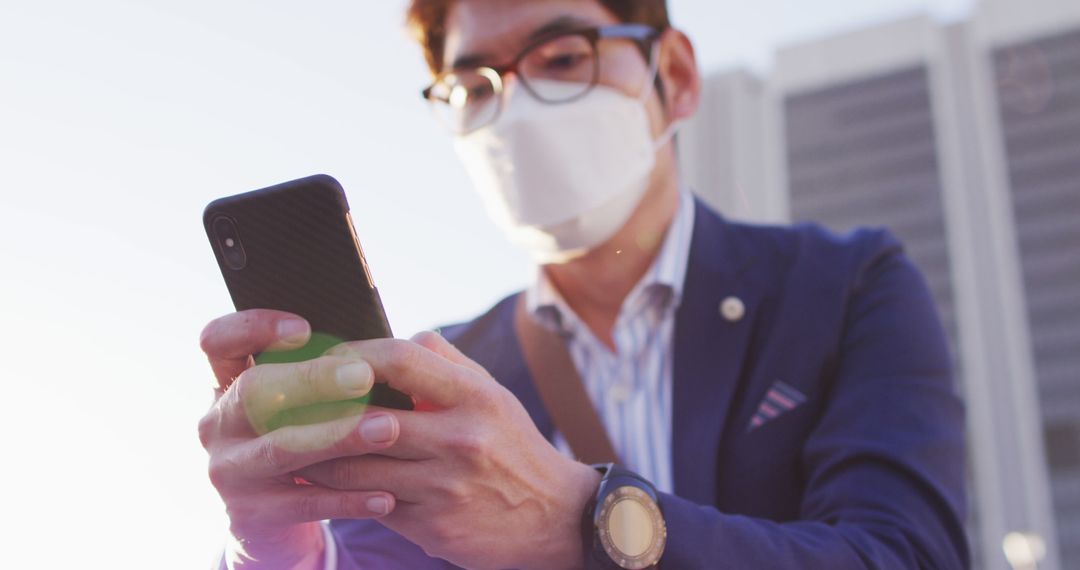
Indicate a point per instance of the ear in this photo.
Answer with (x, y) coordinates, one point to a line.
(679, 73)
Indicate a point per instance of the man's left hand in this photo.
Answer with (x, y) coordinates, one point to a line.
(476, 483)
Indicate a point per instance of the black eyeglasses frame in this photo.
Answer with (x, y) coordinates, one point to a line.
(644, 35)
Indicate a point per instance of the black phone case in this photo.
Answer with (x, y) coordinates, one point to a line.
(303, 257)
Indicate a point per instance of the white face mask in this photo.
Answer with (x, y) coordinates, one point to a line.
(562, 179)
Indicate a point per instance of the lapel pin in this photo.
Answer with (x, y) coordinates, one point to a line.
(732, 309)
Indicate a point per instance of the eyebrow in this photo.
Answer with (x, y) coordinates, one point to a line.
(554, 27)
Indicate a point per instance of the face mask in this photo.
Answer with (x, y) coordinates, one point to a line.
(562, 179)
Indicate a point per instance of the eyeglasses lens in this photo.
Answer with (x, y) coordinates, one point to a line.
(556, 71)
(561, 69)
(468, 99)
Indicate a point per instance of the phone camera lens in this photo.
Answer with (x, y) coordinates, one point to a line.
(232, 250)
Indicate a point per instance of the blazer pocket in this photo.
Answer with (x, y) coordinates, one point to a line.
(779, 400)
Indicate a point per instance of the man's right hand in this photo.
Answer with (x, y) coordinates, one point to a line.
(274, 517)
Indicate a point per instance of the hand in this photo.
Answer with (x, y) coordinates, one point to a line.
(475, 481)
(273, 519)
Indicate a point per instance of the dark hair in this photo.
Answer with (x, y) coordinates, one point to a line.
(426, 20)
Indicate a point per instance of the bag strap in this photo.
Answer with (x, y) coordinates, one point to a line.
(561, 389)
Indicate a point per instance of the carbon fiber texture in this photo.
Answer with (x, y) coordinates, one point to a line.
(302, 257)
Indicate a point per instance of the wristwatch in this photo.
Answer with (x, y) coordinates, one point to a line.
(623, 526)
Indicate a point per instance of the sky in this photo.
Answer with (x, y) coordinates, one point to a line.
(119, 121)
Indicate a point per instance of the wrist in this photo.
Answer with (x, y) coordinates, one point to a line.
(564, 549)
(301, 547)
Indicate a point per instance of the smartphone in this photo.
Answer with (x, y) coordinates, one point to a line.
(293, 247)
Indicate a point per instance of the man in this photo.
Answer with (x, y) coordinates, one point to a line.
(779, 397)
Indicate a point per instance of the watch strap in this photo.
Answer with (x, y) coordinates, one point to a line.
(613, 478)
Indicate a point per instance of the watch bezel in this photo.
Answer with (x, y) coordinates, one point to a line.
(620, 484)
(655, 550)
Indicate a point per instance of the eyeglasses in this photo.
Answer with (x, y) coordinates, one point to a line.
(555, 69)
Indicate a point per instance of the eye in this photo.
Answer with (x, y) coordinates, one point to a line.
(565, 58)
(566, 61)
(463, 89)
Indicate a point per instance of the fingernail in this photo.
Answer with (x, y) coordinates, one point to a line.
(379, 429)
(293, 331)
(378, 505)
(355, 377)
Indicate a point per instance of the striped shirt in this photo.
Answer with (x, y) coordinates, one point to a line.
(631, 387)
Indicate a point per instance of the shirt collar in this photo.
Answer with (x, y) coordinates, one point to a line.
(661, 286)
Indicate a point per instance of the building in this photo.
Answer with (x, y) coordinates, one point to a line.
(964, 140)
(1028, 69)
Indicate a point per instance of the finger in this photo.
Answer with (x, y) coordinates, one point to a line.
(414, 370)
(398, 434)
(394, 433)
(290, 449)
(229, 341)
(270, 389)
(226, 371)
(300, 504)
(316, 414)
(438, 344)
(408, 481)
(420, 436)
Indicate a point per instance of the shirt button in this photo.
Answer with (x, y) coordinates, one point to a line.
(619, 393)
(732, 309)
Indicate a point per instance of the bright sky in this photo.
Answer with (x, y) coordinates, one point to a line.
(119, 121)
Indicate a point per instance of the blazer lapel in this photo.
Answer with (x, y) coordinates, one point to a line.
(710, 346)
(513, 373)
(709, 353)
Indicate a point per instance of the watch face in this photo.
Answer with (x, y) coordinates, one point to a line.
(632, 530)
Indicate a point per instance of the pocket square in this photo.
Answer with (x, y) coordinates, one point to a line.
(780, 399)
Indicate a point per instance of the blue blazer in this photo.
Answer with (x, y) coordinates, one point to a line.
(820, 430)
